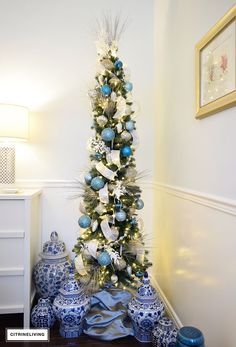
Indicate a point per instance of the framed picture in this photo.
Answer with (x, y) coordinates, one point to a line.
(216, 67)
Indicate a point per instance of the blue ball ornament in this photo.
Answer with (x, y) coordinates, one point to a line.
(84, 221)
(126, 151)
(88, 178)
(133, 221)
(98, 155)
(97, 183)
(139, 204)
(108, 134)
(106, 90)
(139, 274)
(128, 86)
(120, 216)
(104, 259)
(129, 125)
(118, 65)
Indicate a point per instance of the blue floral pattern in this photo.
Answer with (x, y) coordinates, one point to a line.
(145, 310)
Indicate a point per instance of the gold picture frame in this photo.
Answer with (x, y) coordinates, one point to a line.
(215, 57)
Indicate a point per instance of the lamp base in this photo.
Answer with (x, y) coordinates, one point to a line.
(7, 164)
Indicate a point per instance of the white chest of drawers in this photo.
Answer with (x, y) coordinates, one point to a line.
(20, 243)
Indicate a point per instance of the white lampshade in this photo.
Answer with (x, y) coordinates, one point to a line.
(14, 123)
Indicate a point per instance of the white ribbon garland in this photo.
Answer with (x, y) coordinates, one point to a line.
(109, 174)
(79, 265)
(111, 234)
(113, 157)
(103, 194)
(92, 247)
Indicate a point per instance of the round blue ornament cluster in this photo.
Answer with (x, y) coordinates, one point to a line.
(126, 151)
(108, 134)
(84, 221)
(97, 183)
(106, 90)
(104, 259)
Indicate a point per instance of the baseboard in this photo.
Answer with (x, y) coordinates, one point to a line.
(169, 309)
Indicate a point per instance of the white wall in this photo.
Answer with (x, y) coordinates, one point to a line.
(195, 179)
(48, 62)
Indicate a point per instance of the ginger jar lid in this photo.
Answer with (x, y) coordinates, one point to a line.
(71, 286)
(146, 293)
(54, 248)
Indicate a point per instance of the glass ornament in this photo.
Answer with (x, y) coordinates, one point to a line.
(129, 125)
(126, 151)
(104, 258)
(108, 134)
(126, 136)
(118, 64)
(120, 216)
(97, 183)
(106, 90)
(84, 221)
(128, 86)
(88, 178)
(102, 120)
(139, 204)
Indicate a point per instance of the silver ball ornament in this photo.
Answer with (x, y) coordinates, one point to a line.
(126, 136)
(114, 279)
(121, 264)
(102, 120)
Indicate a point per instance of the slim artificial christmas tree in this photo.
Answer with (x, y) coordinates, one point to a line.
(111, 246)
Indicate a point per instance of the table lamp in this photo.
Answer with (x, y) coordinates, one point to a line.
(14, 127)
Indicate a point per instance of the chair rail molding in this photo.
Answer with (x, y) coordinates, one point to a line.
(212, 201)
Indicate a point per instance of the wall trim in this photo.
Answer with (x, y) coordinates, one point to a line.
(14, 271)
(169, 309)
(215, 202)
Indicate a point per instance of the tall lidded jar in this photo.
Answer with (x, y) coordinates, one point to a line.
(145, 310)
(71, 306)
(52, 269)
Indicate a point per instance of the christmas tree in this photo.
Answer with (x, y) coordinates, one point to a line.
(111, 246)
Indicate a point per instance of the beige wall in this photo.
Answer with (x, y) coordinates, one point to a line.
(195, 258)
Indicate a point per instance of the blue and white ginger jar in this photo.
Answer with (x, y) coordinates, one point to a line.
(52, 269)
(164, 334)
(42, 315)
(70, 307)
(145, 310)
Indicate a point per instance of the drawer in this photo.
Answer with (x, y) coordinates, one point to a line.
(11, 291)
(11, 252)
(11, 215)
